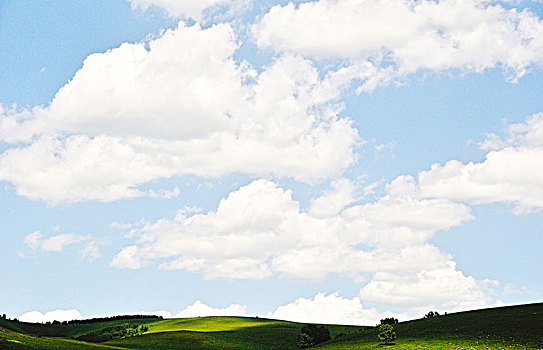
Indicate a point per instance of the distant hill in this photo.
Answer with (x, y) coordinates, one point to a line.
(514, 327)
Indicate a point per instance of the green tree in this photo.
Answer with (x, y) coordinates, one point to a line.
(312, 335)
(305, 341)
(386, 334)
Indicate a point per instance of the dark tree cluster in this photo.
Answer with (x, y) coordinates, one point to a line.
(389, 320)
(112, 318)
(115, 332)
(311, 335)
(431, 314)
(4, 317)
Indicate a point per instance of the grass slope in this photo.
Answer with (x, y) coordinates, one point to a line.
(15, 340)
(210, 333)
(67, 331)
(508, 328)
(512, 327)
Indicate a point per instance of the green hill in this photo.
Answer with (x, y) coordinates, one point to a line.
(516, 327)
(511, 327)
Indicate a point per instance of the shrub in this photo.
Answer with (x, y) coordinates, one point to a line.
(386, 334)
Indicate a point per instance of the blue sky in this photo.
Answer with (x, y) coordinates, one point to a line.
(313, 161)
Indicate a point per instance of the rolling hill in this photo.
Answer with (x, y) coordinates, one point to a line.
(514, 327)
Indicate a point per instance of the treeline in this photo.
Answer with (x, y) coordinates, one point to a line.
(112, 318)
(94, 320)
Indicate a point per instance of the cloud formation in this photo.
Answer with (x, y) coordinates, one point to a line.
(330, 309)
(441, 288)
(57, 243)
(406, 36)
(199, 309)
(185, 8)
(512, 172)
(259, 230)
(177, 105)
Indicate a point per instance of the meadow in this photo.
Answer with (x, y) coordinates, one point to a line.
(515, 327)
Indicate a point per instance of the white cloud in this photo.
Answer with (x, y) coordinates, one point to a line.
(527, 134)
(200, 309)
(331, 203)
(179, 105)
(330, 309)
(259, 231)
(90, 251)
(128, 258)
(443, 288)
(470, 35)
(511, 173)
(513, 289)
(181, 85)
(57, 243)
(165, 194)
(185, 8)
(50, 316)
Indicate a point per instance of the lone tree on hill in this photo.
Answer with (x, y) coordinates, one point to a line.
(386, 334)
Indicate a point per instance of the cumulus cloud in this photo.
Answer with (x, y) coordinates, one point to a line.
(177, 105)
(442, 288)
(50, 316)
(512, 172)
(259, 230)
(407, 36)
(200, 309)
(330, 309)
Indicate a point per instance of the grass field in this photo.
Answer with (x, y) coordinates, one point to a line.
(513, 327)
(518, 327)
(412, 344)
(68, 331)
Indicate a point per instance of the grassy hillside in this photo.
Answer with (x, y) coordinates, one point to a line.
(518, 327)
(215, 333)
(14, 340)
(510, 327)
(68, 331)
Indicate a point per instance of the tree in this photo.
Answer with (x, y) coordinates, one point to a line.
(305, 341)
(431, 314)
(389, 320)
(312, 335)
(386, 334)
